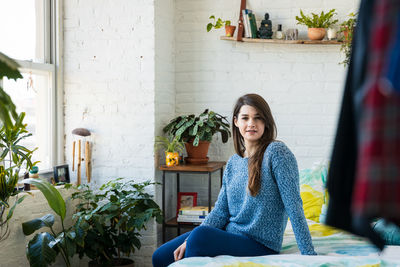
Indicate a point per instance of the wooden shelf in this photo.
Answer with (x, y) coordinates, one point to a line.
(210, 166)
(276, 41)
(174, 223)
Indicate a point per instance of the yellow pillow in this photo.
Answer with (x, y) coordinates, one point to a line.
(312, 202)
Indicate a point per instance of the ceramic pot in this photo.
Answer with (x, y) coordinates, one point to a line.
(331, 33)
(316, 33)
(171, 158)
(230, 30)
(197, 154)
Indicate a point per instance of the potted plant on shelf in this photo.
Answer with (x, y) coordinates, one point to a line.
(229, 29)
(197, 133)
(317, 24)
(172, 147)
(346, 29)
(112, 219)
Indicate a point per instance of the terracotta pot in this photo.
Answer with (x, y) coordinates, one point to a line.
(197, 154)
(116, 263)
(171, 158)
(316, 33)
(230, 30)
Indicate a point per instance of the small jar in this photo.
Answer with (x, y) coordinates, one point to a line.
(34, 172)
(279, 33)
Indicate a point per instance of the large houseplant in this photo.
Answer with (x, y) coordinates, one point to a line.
(317, 24)
(113, 217)
(12, 130)
(197, 131)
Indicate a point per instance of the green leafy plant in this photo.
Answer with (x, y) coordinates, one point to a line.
(169, 144)
(323, 20)
(14, 157)
(347, 29)
(199, 128)
(217, 23)
(44, 247)
(113, 217)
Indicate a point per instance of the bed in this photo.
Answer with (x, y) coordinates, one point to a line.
(334, 247)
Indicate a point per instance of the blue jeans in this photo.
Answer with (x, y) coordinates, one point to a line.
(209, 241)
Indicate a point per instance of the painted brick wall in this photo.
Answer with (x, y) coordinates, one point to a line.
(109, 71)
(164, 86)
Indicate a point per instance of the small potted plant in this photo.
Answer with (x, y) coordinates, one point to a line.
(317, 24)
(346, 29)
(112, 218)
(172, 147)
(229, 29)
(197, 133)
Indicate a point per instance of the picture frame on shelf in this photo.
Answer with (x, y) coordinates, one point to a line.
(186, 199)
(61, 174)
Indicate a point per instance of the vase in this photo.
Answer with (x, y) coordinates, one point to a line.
(331, 33)
(230, 30)
(171, 158)
(316, 33)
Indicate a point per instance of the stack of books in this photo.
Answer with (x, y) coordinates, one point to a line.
(195, 214)
(249, 23)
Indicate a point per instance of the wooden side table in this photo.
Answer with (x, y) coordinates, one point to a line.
(207, 168)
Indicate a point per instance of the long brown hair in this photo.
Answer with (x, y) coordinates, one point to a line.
(269, 135)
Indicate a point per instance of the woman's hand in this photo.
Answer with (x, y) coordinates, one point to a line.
(180, 252)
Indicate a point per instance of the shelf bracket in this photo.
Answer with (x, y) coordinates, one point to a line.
(240, 23)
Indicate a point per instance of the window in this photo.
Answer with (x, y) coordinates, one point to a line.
(28, 33)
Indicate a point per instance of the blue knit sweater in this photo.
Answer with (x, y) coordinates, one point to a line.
(263, 217)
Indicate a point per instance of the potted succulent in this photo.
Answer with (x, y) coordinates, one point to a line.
(347, 28)
(197, 133)
(172, 147)
(317, 24)
(229, 29)
(112, 219)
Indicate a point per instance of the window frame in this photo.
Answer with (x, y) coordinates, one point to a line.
(53, 27)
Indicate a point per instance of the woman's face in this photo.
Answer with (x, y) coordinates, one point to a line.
(250, 125)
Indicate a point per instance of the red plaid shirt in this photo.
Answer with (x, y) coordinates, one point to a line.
(377, 185)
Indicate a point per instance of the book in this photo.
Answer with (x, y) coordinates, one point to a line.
(253, 25)
(191, 218)
(196, 210)
(247, 32)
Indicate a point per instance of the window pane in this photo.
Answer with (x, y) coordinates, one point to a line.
(22, 29)
(32, 96)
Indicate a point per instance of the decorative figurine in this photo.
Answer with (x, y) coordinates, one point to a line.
(266, 28)
(292, 34)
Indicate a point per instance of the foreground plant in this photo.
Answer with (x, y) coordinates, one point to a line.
(43, 249)
(113, 217)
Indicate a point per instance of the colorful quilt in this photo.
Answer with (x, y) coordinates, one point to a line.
(338, 249)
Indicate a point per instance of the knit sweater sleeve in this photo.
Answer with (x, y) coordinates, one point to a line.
(219, 216)
(285, 171)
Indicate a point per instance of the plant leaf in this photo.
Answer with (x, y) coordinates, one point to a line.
(54, 198)
(31, 226)
(38, 251)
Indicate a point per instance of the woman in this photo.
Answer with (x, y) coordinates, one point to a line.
(260, 189)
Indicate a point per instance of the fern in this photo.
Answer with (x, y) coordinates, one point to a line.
(323, 20)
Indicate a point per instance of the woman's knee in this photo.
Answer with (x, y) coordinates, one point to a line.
(198, 241)
(160, 258)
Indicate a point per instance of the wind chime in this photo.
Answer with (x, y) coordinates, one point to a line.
(82, 132)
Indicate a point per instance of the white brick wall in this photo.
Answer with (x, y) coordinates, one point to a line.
(109, 52)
